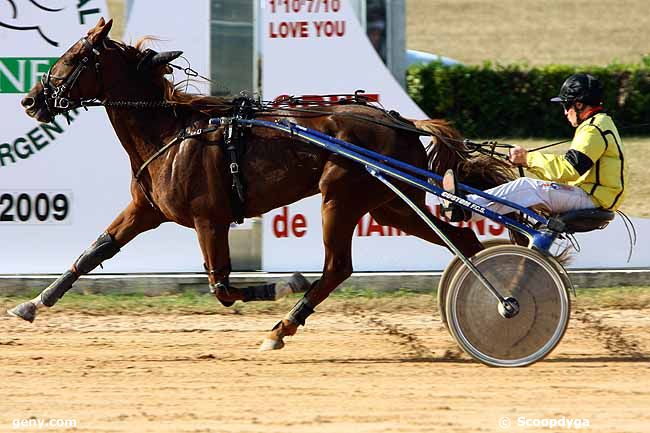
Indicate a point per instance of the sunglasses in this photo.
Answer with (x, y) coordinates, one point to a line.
(566, 105)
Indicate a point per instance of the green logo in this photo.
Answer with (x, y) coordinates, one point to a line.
(19, 75)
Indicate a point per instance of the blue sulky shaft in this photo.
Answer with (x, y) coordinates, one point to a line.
(403, 172)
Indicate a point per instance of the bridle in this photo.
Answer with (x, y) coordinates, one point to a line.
(57, 98)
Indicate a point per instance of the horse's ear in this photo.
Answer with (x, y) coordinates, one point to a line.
(100, 31)
(164, 58)
(150, 58)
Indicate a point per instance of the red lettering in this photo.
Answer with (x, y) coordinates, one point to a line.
(329, 28)
(340, 28)
(296, 29)
(281, 219)
(374, 227)
(496, 229)
(304, 30)
(367, 226)
(299, 225)
(318, 25)
(272, 33)
(283, 224)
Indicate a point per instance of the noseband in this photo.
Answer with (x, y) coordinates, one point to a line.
(57, 98)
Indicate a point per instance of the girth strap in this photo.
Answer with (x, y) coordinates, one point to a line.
(237, 197)
(234, 139)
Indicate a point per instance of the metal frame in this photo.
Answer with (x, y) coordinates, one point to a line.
(407, 173)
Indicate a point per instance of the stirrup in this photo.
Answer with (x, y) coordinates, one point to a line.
(452, 211)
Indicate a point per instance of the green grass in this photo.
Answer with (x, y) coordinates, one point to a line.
(191, 302)
(631, 297)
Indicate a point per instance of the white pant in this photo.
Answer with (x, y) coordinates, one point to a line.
(527, 192)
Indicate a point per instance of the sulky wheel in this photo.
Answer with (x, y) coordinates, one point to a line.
(450, 271)
(479, 325)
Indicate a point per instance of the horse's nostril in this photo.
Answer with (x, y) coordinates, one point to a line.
(27, 102)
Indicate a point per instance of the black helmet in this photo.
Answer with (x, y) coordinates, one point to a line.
(581, 88)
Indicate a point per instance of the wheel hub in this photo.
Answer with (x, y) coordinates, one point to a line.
(509, 308)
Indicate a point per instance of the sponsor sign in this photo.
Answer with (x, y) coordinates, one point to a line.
(62, 184)
(328, 33)
(334, 56)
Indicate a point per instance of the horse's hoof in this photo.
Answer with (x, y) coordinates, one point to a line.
(296, 284)
(26, 311)
(226, 303)
(270, 344)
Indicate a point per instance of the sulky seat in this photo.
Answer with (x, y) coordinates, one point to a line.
(585, 220)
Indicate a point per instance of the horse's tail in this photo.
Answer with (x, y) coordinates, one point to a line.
(445, 150)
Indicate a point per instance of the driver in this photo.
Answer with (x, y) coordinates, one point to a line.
(591, 174)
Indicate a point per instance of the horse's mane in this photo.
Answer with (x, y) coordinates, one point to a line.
(211, 105)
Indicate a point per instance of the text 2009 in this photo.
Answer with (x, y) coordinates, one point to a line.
(34, 207)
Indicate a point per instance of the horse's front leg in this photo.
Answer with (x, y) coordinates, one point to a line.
(213, 239)
(129, 223)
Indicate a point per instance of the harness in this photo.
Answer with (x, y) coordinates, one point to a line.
(57, 98)
(234, 141)
(233, 145)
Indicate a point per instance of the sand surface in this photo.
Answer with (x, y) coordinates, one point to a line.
(356, 370)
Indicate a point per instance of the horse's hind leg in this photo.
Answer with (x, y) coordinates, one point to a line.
(129, 223)
(339, 221)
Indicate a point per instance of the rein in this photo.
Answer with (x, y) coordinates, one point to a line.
(184, 134)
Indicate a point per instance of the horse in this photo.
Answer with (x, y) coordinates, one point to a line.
(182, 171)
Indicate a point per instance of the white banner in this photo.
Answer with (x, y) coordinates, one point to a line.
(60, 185)
(292, 240)
(318, 47)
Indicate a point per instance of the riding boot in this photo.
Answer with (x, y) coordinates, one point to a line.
(453, 211)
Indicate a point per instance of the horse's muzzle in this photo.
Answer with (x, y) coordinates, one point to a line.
(35, 110)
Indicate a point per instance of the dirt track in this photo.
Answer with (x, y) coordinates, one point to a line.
(348, 371)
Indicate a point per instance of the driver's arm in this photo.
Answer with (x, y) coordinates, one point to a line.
(586, 148)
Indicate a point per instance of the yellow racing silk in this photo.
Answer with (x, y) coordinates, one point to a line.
(594, 162)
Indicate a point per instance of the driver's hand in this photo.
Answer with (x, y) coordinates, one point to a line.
(518, 156)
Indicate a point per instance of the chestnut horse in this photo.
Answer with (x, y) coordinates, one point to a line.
(190, 184)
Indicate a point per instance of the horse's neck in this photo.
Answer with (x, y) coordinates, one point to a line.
(142, 131)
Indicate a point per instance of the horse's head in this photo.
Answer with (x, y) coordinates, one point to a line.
(86, 71)
(73, 78)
